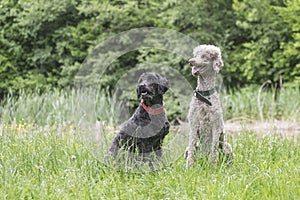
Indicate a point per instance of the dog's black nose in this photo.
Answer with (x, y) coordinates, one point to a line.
(142, 86)
(192, 61)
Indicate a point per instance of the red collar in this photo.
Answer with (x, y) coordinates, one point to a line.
(152, 111)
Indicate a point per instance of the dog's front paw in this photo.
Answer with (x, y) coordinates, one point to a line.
(227, 149)
(189, 162)
(189, 158)
(228, 153)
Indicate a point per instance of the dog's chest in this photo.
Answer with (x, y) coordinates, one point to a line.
(143, 125)
(200, 110)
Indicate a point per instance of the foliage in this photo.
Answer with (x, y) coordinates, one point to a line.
(289, 56)
(43, 43)
(265, 53)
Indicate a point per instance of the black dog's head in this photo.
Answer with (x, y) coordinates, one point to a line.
(151, 87)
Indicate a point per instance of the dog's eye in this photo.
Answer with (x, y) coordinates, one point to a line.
(151, 84)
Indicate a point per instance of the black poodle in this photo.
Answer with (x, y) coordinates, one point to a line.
(144, 132)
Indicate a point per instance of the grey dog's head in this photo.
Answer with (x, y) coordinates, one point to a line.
(206, 58)
(151, 86)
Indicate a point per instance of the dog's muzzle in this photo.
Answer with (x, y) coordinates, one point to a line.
(192, 61)
(144, 91)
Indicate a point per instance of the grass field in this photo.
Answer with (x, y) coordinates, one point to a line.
(44, 155)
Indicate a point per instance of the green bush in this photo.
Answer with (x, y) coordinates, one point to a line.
(43, 43)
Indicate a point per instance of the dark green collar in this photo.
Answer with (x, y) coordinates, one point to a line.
(202, 94)
(206, 92)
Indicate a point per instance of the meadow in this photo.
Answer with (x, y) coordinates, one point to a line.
(47, 152)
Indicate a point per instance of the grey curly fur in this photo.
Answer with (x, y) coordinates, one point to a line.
(206, 121)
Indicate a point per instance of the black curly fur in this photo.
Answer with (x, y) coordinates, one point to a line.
(144, 133)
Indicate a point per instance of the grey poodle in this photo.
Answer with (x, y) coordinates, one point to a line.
(205, 114)
(144, 132)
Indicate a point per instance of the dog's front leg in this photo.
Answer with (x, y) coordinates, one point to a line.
(214, 152)
(114, 148)
(225, 149)
(190, 151)
(216, 143)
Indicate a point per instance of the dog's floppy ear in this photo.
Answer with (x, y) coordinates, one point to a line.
(138, 92)
(163, 85)
(217, 60)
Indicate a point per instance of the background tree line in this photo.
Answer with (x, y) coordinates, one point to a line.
(43, 43)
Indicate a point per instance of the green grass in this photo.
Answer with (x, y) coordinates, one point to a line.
(48, 151)
(265, 105)
(80, 107)
(55, 163)
(57, 107)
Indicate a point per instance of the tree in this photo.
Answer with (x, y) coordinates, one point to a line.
(267, 33)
